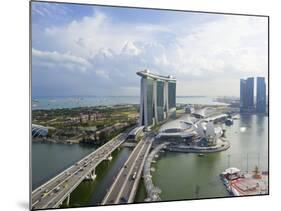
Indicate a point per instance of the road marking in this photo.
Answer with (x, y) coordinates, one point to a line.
(129, 174)
(119, 174)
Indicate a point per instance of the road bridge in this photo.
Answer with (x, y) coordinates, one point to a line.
(125, 185)
(52, 193)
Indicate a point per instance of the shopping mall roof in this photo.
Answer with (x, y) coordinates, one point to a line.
(182, 123)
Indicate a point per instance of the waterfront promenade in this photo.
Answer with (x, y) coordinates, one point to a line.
(152, 191)
(222, 145)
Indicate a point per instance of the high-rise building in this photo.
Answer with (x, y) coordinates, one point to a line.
(158, 98)
(242, 93)
(250, 93)
(261, 95)
(247, 94)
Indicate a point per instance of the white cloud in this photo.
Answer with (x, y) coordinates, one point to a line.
(103, 74)
(223, 47)
(57, 60)
(227, 48)
(48, 10)
(130, 49)
(87, 36)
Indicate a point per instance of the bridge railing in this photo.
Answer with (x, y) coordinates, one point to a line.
(96, 151)
(138, 177)
(104, 201)
(67, 193)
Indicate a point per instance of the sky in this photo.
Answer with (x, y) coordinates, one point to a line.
(95, 50)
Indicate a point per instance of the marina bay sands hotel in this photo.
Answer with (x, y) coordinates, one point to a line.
(157, 99)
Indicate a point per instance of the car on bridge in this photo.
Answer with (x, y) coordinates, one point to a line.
(43, 195)
(57, 189)
(134, 175)
(123, 200)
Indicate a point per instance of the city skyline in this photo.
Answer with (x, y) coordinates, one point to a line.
(125, 99)
(73, 52)
(253, 95)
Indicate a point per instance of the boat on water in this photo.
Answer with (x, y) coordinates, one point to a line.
(240, 183)
(201, 155)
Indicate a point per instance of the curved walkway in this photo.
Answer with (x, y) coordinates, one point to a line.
(152, 191)
(221, 146)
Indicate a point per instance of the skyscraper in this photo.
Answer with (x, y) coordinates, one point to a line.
(250, 93)
(158, 98)
(242, 93)
(247, 94)
(261, 95)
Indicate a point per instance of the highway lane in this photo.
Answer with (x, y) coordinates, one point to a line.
(55, 190)
(124, 182)
(120, 179)
(127, 194)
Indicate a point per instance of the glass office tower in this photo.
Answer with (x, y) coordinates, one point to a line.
(247, 95)
(158, 98)
(250, 92)
(242, 93)
(261, 95)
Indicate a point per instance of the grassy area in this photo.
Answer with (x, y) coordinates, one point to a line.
(85, 121)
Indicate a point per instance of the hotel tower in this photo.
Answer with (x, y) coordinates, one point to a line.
(157, 98)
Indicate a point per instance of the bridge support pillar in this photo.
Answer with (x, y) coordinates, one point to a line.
(109, 157)
(91, 176)
(67, 200)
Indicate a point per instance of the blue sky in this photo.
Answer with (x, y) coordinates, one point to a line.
(95, 50)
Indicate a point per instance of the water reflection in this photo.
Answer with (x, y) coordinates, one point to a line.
(187, 176)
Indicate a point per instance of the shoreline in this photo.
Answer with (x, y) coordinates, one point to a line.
(196, 149)
(74, 102)
(66, 142)
(152, 192)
